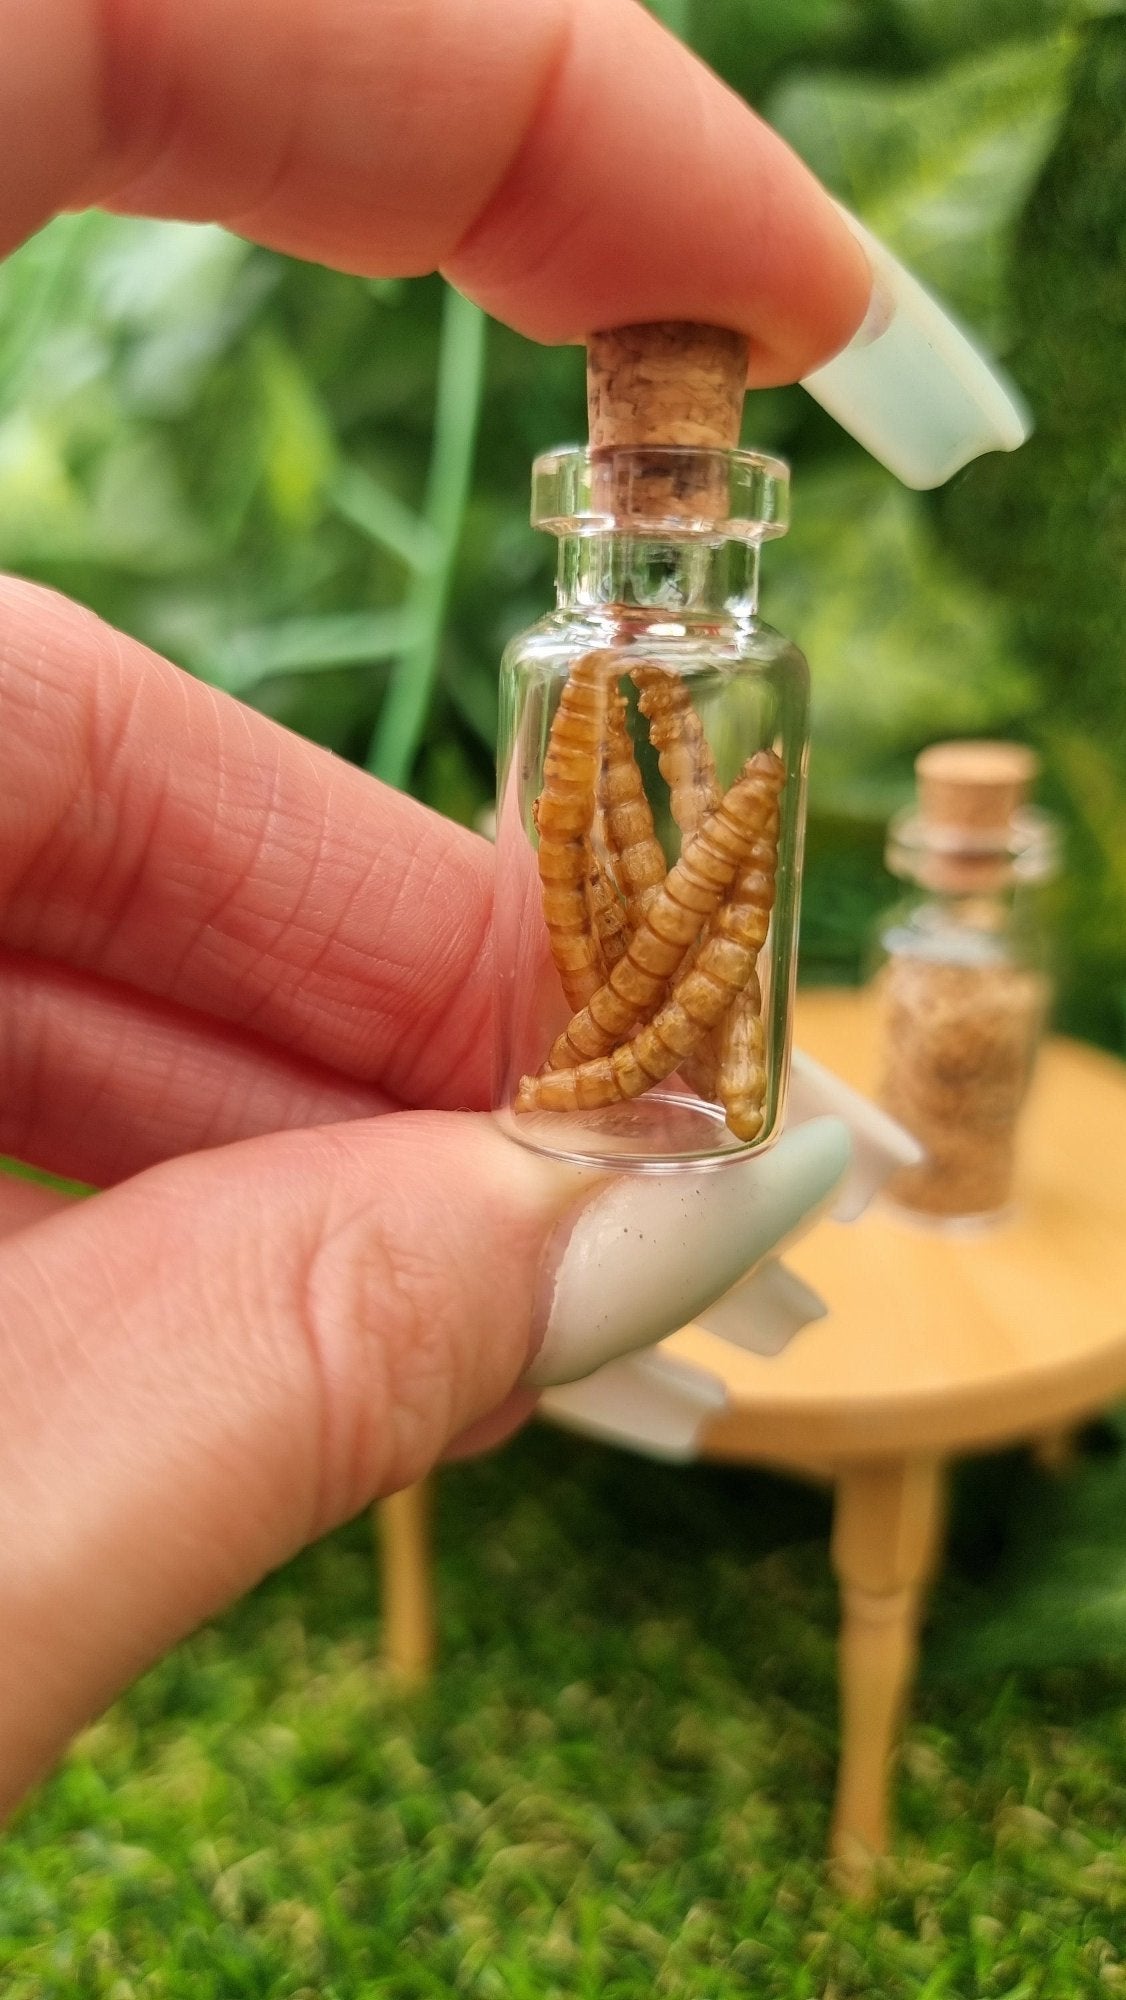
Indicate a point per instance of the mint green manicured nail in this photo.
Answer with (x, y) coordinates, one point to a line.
(912, 386)
(651, 1251)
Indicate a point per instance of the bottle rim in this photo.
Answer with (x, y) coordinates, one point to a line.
(1025, 849)
(724, 495)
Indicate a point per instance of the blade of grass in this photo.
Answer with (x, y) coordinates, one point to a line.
(306, 645)
(676, 15)
(461, 362)
(56, 253)
(18, 1170)
(382, 517)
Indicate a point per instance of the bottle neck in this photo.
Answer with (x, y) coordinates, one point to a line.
(683, 575)
(985, 910)
(1001, 927)
(971, 863)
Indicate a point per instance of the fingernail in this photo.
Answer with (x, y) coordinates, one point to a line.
(763, 1314)
(878, 1145)
(912, 386)
(647, 1402)
(650, 1252)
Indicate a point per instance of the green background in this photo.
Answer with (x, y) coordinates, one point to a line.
(270, 471)
(312, 490)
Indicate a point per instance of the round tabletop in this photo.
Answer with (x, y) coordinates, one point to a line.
(937, 1341)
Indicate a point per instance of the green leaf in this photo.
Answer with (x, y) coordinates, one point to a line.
(127, 512)
(299, 449)
(1093, 774)
(676, 15)
(303, 645)
(147, 276)
(461, 366)
(939, 168)
(33, 285)
(951, 28)
(378, 513)
(901, 647)
(451, 783)
(474, 695)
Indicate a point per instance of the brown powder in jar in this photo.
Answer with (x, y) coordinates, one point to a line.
(959, 1042)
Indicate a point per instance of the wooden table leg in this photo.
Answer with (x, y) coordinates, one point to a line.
(1056, 1451)
(886, 1537)
(408, 1587)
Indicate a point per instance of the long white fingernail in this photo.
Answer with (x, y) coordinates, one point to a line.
(912, 386)
(647, 1402)
(763, 1314)
(879, 1145)
(651, 1251)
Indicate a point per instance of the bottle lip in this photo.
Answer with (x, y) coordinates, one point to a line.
(661, 490)
(962, 859)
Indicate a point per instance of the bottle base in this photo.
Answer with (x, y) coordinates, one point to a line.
(935, 1222)
(650, 1134)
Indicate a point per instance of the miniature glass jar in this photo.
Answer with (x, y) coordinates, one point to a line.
(650, 817)
(962, 976)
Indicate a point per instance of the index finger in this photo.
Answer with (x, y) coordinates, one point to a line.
(156, 833)
(566, 162)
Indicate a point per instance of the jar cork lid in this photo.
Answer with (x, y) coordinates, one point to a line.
(668, 383)
(974, 787)
(972, 830)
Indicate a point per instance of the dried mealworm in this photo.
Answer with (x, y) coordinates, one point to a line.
(636, 855)
(564, 815)
(607, 912)
(726, 1047)
(688, 768)
(742, 1062)
(701, 1070)
(692, 891)
(700, 997)
(683, 751)
(737, 1050)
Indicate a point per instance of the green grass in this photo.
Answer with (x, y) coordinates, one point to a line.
(618, 1786)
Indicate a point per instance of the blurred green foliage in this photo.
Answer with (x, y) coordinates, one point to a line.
(311, 489)
(617, 1788)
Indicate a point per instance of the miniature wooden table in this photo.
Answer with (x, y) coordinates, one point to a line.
(934, 1345)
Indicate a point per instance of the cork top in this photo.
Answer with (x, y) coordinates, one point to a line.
(669, 382)
(676, 390)
(972, 832)
(974, 787)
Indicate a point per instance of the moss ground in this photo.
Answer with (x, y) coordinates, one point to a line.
(618, 1785)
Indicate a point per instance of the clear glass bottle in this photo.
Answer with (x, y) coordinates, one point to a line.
(962, 976)
(650, 818)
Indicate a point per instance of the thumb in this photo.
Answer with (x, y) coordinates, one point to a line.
(217, 1361)
(213, 1363)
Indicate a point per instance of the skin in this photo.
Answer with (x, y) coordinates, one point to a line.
(218, 943)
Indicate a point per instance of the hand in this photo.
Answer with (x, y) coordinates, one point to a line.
(244, 989)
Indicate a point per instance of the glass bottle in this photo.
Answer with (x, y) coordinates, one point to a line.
(963, 982)
(650, 811)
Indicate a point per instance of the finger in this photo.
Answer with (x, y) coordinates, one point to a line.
(97, 1083)
(566, 160)
(495, 1429)
(646, 190)
(213, 1363)
(155, 832)
(207, 1367)
(23, 1202)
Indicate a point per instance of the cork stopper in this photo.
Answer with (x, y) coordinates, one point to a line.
(974, 788)
(970, 831)
(669, 383)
